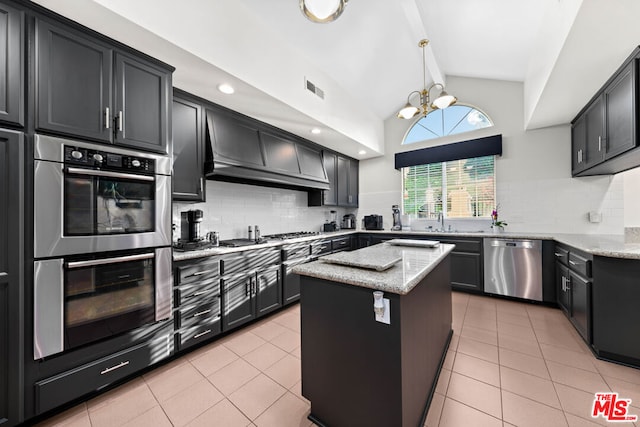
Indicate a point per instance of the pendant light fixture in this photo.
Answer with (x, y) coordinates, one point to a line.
(322, 11)
(443, 100)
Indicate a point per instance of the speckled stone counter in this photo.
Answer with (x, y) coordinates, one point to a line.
(414, 265)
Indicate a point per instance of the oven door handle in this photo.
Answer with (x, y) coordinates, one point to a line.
(108, 174)
(93, 262)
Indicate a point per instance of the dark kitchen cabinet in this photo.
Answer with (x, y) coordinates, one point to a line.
(578, 145)
(251, 285)
(342, 173)
(581, 305)
(330, 160)
(11, 65)
(268, 290)
(467, 272)
(141, 104)
(620, 100)
(347, 182)
(197, 301)
(11, 276)
(74, 74)
(616, 318)
(595, 144)
(563, 288)
(86, 87)
(588, 137)
(238, 302)
(573, 285)
(604, 134)
(188, 149)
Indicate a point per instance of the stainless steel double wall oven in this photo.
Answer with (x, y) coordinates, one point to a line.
(102, 242)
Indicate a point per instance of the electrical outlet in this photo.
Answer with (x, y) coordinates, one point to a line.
(385, 317)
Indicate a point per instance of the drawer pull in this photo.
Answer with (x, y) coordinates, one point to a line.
(113, 368)
(200, 313)
(200, 273)
(573, 262)
(201, 334)
(197, 294)
(558, 255)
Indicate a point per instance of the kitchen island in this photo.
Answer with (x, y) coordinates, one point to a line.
(360, 371)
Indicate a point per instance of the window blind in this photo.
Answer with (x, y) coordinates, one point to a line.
(487, 146)
(459, 189)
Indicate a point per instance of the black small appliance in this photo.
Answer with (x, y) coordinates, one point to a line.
(190, 225)
(397, 223)
(373, 222)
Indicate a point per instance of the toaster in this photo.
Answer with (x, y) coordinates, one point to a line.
(373, 222)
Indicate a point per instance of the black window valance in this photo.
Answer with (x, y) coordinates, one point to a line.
(478, 147)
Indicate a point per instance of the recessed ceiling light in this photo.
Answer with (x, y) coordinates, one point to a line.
(362, 152)
(226, 88)
(316, 131)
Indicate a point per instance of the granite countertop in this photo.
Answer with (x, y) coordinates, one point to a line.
(608, 245)
(223, 250)
(415, 263)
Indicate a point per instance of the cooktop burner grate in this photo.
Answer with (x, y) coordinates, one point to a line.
(291, 235)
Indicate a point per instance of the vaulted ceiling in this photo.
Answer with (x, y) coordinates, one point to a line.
(368, 60)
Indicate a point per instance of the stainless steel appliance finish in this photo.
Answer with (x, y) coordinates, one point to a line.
(50, 238)
(49, 294)
(513, 267)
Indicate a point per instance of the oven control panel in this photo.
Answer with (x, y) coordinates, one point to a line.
(105, 160)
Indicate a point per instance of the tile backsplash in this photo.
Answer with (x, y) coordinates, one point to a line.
(231, 208)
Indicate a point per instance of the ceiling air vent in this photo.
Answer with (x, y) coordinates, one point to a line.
(313, 88)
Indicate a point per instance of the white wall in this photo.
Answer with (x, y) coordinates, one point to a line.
(535, 190)
(231, 208)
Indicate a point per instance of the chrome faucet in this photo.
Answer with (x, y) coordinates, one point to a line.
(441, 220)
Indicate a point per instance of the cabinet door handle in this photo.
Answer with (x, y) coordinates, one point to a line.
(201, 313)
(113, 368)
(107, 118)
(201, 334)
(600, 143)
(557, 254)
(573, 262)
(246, 288)
(120, 121)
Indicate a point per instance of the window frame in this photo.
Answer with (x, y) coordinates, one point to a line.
(415, 123)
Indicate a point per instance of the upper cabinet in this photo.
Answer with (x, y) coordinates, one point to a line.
(343, 181)
(604, 135)
(11, 65)
(89, 88)
(188, 149)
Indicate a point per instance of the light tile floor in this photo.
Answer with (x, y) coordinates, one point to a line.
(509, 363)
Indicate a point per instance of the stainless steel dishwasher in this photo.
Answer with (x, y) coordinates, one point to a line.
(513, 267)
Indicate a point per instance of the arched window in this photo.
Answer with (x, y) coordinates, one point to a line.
(456, 119)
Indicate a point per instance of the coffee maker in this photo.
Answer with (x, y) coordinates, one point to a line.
(190, 225)
(397, 223)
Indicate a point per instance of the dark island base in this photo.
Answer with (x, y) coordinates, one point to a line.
(359, 372)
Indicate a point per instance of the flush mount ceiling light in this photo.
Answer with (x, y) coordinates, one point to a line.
(443, 100)
(226, 88)
(316, 131)
(322, 11)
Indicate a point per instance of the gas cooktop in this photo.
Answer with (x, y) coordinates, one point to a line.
(291, 235)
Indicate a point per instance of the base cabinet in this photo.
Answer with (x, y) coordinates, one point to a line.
(573, 285)
(60, 389)
(251, 286)
(616, 318)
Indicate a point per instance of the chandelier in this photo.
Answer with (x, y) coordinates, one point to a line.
(322, 11)
(443, 100)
